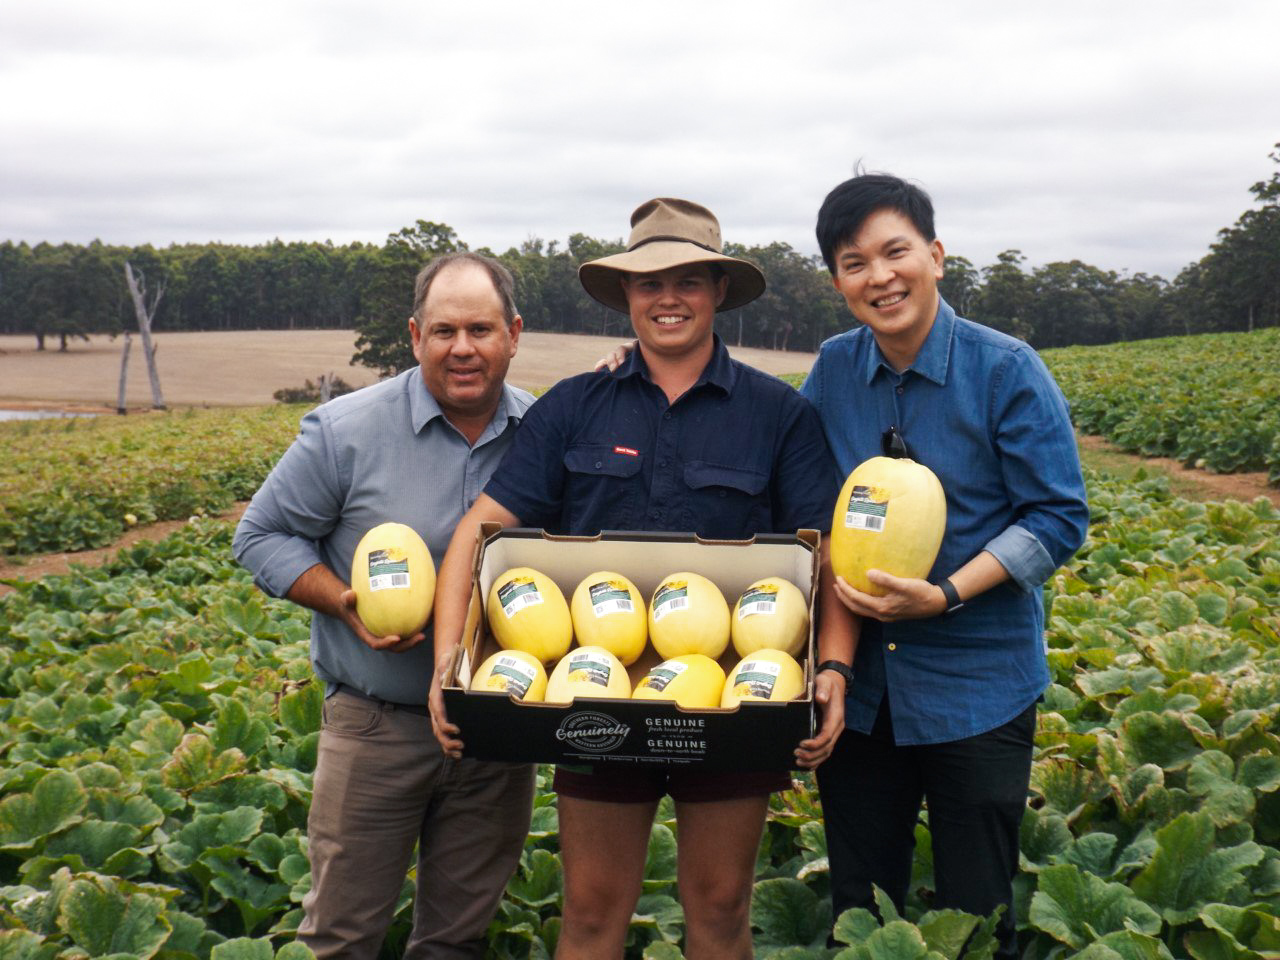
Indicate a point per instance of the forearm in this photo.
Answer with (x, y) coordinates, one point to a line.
(453, 583)
(838, 626)
(976, 577)
(319, 589)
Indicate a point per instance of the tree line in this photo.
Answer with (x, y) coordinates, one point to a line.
(61, 292)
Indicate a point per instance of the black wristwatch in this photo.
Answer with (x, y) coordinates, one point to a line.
(843, 669)
(954, 602)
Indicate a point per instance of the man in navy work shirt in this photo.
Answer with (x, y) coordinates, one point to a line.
(416, 449)
(949, 668)
(680, 438)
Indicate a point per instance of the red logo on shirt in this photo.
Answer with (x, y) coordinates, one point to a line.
(627, 450)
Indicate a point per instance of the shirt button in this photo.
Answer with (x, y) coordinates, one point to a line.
(667, 415)
(599, 464)
(901, 391)
(662, 463)
(893, 646)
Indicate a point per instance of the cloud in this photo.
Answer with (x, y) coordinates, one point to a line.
(1123, 135)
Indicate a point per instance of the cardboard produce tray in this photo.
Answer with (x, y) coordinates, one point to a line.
(752, 736)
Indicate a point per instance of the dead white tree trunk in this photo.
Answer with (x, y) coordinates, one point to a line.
(145, 312)
(124, 373)
(326, 387)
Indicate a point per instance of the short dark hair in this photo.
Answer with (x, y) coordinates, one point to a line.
(847, 207)
(503, 284)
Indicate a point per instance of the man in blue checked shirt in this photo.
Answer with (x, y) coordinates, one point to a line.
(941, 706)
(416, 449)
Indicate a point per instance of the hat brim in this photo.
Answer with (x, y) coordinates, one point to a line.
(600, 278)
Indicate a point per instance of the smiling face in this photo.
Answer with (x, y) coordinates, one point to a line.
(673, 311)
(464, 343)
(888, 274)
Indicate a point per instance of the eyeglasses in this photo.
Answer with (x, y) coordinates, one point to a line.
(892, 444)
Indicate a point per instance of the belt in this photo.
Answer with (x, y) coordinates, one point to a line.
(418, 708)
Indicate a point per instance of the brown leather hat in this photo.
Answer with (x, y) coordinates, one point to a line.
(666, 232)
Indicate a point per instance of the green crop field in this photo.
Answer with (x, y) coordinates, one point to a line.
(78, 483)
(1211, 400)
(158, 720)
(158, 730)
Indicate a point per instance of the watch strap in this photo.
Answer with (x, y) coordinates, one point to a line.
(952, 596)
(843, 669)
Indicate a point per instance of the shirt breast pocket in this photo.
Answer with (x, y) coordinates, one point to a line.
(727, 502)
(601, 488)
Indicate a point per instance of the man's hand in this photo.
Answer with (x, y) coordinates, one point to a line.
(616, 357)
(906, 598)
(446, 732)
(388, 644)
(828, 693)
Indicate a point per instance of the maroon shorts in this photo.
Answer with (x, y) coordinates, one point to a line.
(624, 784)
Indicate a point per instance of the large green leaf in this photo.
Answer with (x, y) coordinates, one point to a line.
(94, 841)
(234, 727)
(538, 880)
(946, 932)
(660, 864)
(243, 948)
(55, 803)
(25, 945)
(1188, 871)
(659, 916)
(300, 711)
(1212, 776)
(1125, 945)
(102, 919)
(198, 763)
(1077, 908)
(1159, 738)
(786, 912)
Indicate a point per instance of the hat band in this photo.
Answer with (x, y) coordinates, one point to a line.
(641, 243)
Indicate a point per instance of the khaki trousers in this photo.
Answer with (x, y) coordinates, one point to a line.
(381, 785)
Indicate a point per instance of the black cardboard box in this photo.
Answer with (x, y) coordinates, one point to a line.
(753, 736)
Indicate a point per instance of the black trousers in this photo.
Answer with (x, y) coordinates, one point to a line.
(976, 792)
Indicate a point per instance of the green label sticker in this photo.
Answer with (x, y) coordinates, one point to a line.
(609, 596)
(660, 676)
(519, 593)
(671, 596)
(761, 600)
(388, 570)
(589, 668)
(512, 675)
(867, 509)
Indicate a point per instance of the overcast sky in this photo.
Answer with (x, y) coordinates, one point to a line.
(1121, 133)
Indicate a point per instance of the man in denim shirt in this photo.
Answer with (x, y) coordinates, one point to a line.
(948, 669)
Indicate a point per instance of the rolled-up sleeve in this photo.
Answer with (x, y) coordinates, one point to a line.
(297, 505)
(1041, 469)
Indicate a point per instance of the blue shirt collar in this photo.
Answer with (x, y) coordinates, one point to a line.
(423, 407)
(719, 371)
(935, 353)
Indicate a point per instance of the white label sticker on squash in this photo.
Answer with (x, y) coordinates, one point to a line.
(671, 596)
(608, 597)
(512, 675)
(587, 667)
(865, 510)
(519, 593)
(661, 676)
(762, 600)
(757, 678)
(388, 570)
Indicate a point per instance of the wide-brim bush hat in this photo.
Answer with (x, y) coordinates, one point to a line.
(667, 232)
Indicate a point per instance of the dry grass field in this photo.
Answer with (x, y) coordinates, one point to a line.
(237, 369)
